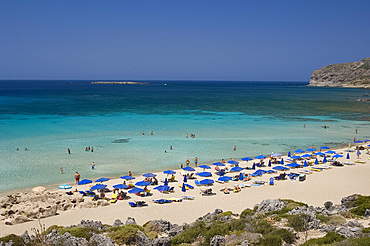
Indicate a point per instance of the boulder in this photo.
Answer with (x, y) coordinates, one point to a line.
(117, 222)
(54, 238)
(130, 221)
(98, 239)
(348, 201)
(160, 226)
(328, 205)
(141, 239)
(26, 238)
(162, 241)
(270, 205)
(98, 225)
(217, 241)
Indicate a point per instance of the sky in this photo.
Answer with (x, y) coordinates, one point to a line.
(239, 40)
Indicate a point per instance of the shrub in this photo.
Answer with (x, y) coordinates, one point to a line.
(246, 213)
(17, 240)
(284, 234)
(366, 230)
(290, 205)
(270, 240)
(364, 241)
(336, 220)
(298, 222)
(263, 227)
(362, 203)
(330, 238)
(124, 234)
(79, 232)
(190, 234)
(322, 218)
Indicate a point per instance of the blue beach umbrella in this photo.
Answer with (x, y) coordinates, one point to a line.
(98, 187)
(136, 190)
(316, 162)
(65, 186)
(149, 175)
(293, 165)
(358, 141)
(85, 181)
(101, 180)
(205, 174)
(232, 162)
(296, 157)
(241, 176)
(324, 147)
(311, 149)
(246, 159)
(319, 153)
(185, 179)
(269, 165)
(127, 177)
(254, 166)
(260, 157)
(206, 181)
(162, 188)
(347, 156)
(282, 161)
(280, 168)
(271, 171)
(142, 183)
(169, 172)
(236, 169)
(324, 160)
(189, 169)
(121, 186)
(218, 164)
(337, 156)
(289, 154)
(299, 151)
(165, 182)
(205, 166)
(259, 172)
(305, 164)
(306, 156)
(224, 178)
(183, 188)
(330, 152)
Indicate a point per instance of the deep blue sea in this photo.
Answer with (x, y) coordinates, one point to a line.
(48, 117)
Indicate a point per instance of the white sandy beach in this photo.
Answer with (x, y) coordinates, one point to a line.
(319, 187)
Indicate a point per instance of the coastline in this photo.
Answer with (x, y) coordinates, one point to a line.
(328, 185)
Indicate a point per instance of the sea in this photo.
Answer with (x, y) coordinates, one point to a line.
(131, 127)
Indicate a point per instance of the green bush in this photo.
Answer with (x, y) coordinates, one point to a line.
(247, 213)
(284, 234)
(77, 231)
(330, 238)
(17, 240)
(362, 203)
(366, 230)
(190, 234)
(322, 218)
(298, 222)
(270, 240)
(364, 241)
(336, 220)
(124, 234)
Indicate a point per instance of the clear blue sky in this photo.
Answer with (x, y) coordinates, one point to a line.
(180, 40)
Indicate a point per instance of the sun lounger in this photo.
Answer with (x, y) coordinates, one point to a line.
(114, 198)
(349, 163)
(259, 182)
(188, 197)
(360, 161)
(175, 199)
(162, 201)
(282, 176)
(137, 204)
(197, 182)
(206, 192)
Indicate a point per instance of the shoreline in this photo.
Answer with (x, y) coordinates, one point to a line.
(328, 185)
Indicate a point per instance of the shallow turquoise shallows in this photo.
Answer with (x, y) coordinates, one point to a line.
(48, 117)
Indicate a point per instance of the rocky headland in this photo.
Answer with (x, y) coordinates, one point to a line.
(354, 74)
(272, 222)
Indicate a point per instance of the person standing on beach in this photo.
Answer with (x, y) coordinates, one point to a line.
(196, 161)
(69, 151)
(77, 177)
(187, 162)
(93, 165)
(92, 149)
(61, 170)
(234, 147)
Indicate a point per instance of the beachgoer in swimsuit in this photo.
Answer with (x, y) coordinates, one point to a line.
(234, 147)
(61, 170)
(69, 151)
(196, 161)
(129, 173)
(93, 165)
(77, 177)
(187, 162)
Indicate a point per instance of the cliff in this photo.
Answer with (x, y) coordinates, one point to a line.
(354, 74)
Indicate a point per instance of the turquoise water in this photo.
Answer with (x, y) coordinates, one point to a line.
(47, 117)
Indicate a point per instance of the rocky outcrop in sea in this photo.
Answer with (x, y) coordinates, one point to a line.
(354, 74)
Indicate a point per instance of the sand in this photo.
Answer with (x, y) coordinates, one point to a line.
(319, 187)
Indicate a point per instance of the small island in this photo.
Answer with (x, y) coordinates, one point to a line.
(354, 74)
(119, 83)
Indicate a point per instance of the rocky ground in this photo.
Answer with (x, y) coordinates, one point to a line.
(272, 222)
